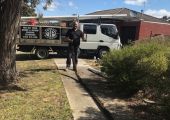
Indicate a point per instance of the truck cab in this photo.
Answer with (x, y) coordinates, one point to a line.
(100, 38)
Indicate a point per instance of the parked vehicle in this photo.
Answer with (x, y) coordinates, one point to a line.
(42, 39)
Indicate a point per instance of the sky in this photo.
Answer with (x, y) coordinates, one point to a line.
(157, 8)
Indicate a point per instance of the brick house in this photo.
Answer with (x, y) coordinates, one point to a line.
(136, 25)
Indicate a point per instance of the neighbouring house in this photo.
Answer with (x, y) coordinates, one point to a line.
(136, 25)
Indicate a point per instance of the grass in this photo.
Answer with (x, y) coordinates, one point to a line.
(42, 96)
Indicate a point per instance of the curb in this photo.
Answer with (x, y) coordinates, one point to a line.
(100, 105)
(97, 72)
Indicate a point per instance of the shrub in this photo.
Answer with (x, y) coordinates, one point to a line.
(143, 66)
(133, 67)
(154, 67)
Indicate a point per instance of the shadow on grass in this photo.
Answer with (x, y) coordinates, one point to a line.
(27, 57)
(11, 88)
(70, 77)
(27, 73)
(41, 70)
(23, 74)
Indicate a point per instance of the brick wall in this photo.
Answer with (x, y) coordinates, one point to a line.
(148, 29)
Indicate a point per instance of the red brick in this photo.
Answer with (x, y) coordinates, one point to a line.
(148, 29)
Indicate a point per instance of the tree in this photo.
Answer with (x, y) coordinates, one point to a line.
(9, 21)
(27, 9)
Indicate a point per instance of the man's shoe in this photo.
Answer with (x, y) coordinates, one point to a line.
(67, 68)
(75, 69)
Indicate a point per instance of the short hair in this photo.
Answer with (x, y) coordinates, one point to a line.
(75, 20)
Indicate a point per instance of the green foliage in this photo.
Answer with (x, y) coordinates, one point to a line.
(132, 67)
(28, 6)
(27, 11)
(145, 65)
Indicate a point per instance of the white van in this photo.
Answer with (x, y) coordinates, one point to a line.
(44, 39)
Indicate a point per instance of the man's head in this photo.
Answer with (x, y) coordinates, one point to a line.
(75, 24)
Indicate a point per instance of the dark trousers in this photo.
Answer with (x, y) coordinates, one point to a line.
(72, 54)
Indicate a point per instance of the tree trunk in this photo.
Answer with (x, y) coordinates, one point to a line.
(9, 21)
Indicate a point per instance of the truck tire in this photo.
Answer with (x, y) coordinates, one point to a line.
(42, 53)
(102, 52)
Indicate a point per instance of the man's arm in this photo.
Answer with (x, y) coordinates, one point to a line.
(67, 38)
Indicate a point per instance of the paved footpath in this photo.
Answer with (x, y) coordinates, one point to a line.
(82, 105)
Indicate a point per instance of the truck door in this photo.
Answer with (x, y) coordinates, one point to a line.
(90, 33)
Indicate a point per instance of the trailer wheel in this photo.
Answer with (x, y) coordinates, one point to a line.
(102, 52)
(42, 53)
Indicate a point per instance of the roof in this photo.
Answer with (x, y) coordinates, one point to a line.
(130, 13)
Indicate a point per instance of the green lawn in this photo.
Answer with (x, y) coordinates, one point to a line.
(43, 96)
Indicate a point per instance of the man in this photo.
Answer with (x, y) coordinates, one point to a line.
(73, 37)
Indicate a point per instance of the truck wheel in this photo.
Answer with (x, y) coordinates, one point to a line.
(102, 52)
(42, 53)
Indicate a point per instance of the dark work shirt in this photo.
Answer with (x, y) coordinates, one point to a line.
(75, 36)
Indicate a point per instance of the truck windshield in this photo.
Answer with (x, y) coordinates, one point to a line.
(108, 30)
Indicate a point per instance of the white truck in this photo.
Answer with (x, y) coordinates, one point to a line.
(44, 39)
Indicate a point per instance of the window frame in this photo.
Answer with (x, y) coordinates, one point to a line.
(110, 35)
(92, 32)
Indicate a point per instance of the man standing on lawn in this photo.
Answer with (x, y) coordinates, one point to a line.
(73, 37)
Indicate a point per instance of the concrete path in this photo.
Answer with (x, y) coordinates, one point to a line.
(82, 105)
